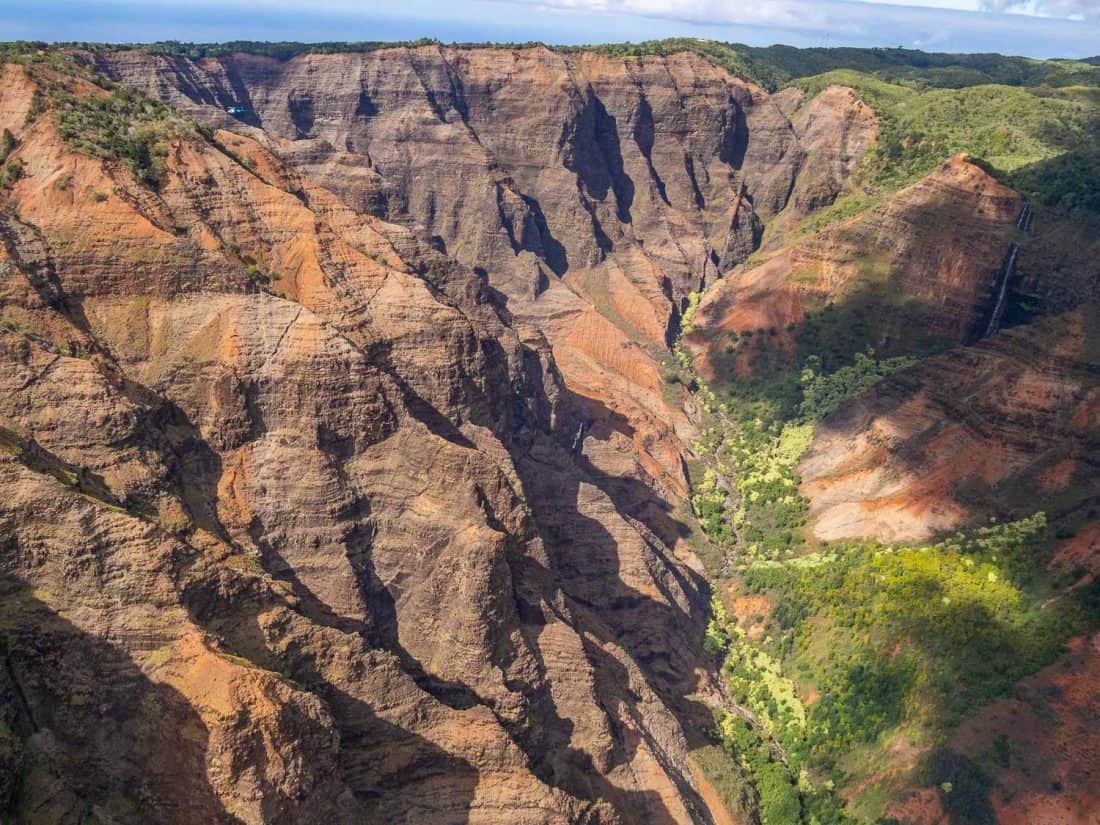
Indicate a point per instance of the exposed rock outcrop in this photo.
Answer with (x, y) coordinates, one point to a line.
(835, 129)
(993, 429)
(290, 509)
(594, 192)
(923, 264)
(339, 479)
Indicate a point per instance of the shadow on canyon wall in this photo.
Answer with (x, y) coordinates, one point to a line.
(93, 733)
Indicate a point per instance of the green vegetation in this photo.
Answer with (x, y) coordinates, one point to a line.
(708, 502)
(1012, 129)
(867, 645)
(782, 64)
(762, 453)
(728, 780)
(921, 636)
(786, 794)
(12, 172)
(899, 642)
(257, 276)
(13, 169)
(846, 206)
(117, 123)
(36, 54)
(756, 438)
(824, 392)
(7, 144)
(718, 634)
(1070, 181)
(124, 125)
(830, 339)
(688, 318)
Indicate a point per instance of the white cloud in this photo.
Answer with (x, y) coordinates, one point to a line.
(1072, 9)
(942, 25)
(781, 14)
(765, 12)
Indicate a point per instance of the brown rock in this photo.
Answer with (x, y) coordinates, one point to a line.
(595, 212)
(335, 556)
(926, 260)
(995, 429)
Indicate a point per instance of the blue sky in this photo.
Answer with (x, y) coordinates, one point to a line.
(1039, 28)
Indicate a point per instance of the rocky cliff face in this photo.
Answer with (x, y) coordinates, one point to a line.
(617, 155)
(984, 431)
(339, 477)
(919, 268)
(835, 129)
(595, 193)
(294, 514)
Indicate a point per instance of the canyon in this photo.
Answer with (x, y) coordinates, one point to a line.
(351, 469)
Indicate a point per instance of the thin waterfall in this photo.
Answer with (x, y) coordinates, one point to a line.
(578, 439)
(1007, 272)
(1023, 223)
